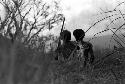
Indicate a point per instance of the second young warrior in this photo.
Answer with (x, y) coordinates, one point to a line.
(85, 48)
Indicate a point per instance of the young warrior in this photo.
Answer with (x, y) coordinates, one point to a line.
(67, 46)
(84, 47)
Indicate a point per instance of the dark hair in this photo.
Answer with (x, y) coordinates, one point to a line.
(78, 34)
(65, 35)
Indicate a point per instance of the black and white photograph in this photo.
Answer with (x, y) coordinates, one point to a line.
(62, 41)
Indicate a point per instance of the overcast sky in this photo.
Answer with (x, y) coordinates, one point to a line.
(81, 13)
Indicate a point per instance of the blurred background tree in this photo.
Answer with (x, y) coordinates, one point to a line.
(26, 19)
(24, 23)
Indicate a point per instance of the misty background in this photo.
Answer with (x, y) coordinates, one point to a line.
(84, 13)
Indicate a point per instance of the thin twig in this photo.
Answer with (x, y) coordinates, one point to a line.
(99, 22)
(118, 42)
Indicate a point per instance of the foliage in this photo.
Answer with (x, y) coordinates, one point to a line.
(24, 59)
(26, 19)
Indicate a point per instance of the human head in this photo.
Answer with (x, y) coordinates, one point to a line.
(65, 35)
(79, 34)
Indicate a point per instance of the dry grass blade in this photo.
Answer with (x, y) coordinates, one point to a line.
(118, 42)
(122, 15)
(122, 34)
(117, 36)
(119, 5)
(109, 11)
(100, 60)
(114, 33)
(112, 22)
(118, 28)
(116, 78)
(99, 33)
(100, 21)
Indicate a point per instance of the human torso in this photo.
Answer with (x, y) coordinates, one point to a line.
(83, 48)
(66, 49)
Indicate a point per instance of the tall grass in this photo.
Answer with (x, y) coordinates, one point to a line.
(21, 64)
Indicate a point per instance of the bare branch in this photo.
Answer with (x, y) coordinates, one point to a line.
(114, 10)
(35, 34)
(99, 33)
(118, 28)
(119, 5)
(117, 36)
(118, 42)
(100, 21)
(122, 15)
(31, 29)
(122, 34)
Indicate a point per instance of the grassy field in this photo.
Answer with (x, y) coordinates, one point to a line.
(21, 65)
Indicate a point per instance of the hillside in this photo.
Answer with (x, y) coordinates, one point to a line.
(104, 41)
